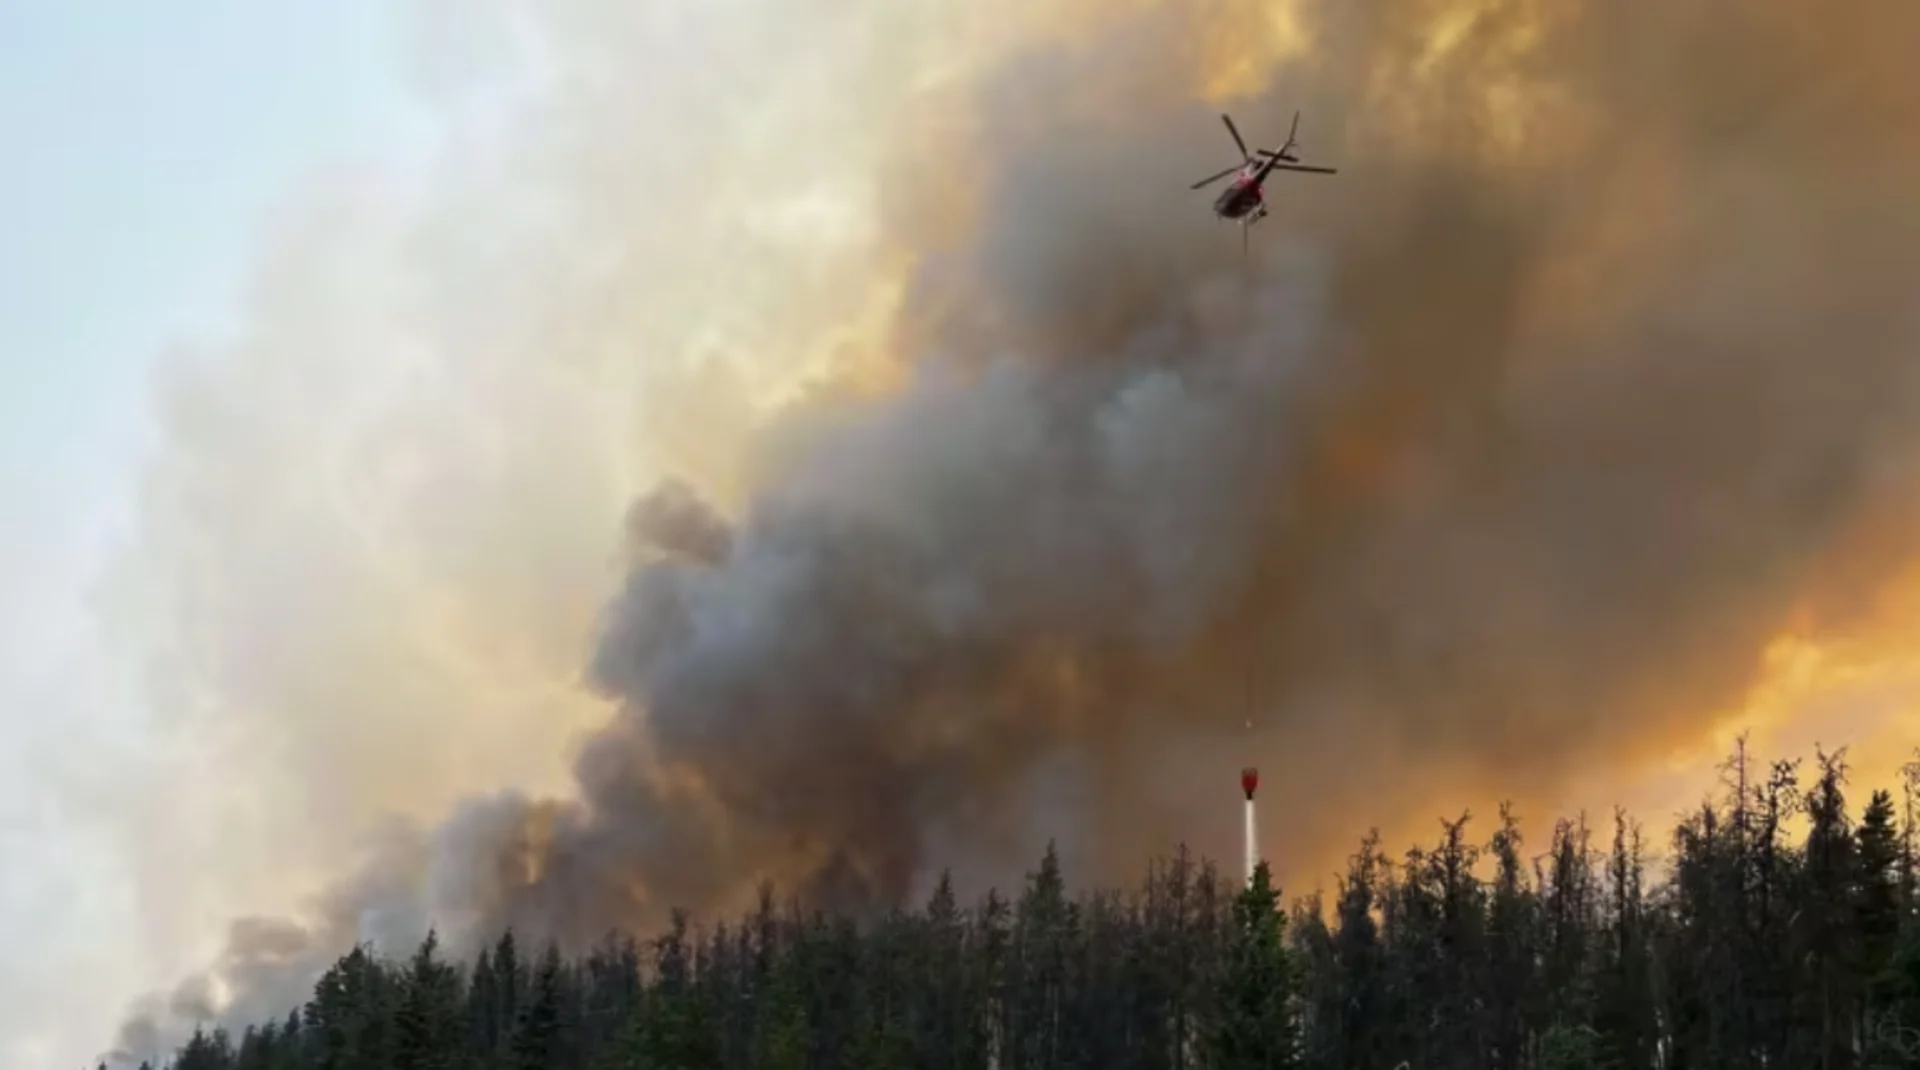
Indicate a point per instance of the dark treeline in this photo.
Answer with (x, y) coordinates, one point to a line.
(1782, 931)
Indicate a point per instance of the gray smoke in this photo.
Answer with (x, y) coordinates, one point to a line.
(1503, 457)
(674, 519)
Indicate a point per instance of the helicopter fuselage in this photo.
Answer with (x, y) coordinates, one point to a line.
(1241, 198)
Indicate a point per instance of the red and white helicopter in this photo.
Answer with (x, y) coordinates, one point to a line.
(1244, 199)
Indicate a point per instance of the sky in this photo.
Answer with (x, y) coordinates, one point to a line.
(145, 142)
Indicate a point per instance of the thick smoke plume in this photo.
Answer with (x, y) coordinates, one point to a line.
(1509, 451)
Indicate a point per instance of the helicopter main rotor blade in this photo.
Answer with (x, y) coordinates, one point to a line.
(1215, 178)
(1273, 164)
(1244, 154)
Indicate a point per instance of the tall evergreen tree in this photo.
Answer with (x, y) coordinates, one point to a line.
(1825, 940)
(537, 1044)
(349, 1023)
(427, 1027)
(677, 1032)
(1255, 1026)
(1878, 907)
(1511, 989)
(1627, 1015)
(206, 1051)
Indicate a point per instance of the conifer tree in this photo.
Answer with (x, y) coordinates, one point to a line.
(1254, 1027)
(1825, 940)
(676, 1033)
(427, 1034)
(206, 1051)
(1510, 948)
(1877, 907)
(536, 1041)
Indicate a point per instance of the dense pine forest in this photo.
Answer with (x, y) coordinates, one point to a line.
(1777, 926)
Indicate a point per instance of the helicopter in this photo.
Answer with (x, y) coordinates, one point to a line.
(1244, 199)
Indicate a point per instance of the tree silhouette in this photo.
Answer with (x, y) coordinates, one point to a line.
(1753, 949)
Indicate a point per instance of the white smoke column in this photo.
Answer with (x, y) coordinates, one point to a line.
(1253, 851)
(1249, 783)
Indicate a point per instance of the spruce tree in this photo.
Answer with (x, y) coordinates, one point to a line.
(536, 1040)
(427, 1023)
(1877, 847)
(676, 1033)
(1254, 1026)
(206, 1051)
(1826, 942)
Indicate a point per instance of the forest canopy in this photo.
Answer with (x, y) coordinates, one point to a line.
(1778, 925)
